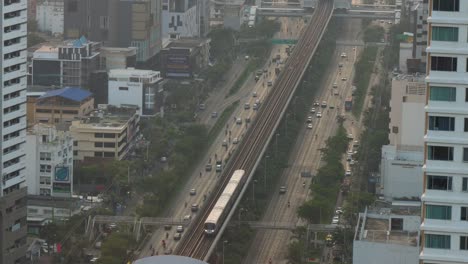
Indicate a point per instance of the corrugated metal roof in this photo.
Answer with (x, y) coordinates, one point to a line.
(72, 93)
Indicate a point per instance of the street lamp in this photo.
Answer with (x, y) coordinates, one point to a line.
(224, 242)
(264, 176)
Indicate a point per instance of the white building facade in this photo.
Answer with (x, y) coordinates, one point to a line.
(444, 228)
(401, 174)
(49, 155)
(49, 16)
(13, 118)
(135, 87)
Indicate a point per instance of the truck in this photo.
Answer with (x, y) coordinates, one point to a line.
(348, 104)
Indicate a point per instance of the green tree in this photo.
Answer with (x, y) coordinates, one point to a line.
(116, 248)
(373, 33)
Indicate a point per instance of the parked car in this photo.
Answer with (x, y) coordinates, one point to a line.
(282, 190)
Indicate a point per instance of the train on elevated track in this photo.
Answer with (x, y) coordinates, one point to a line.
(224, 203)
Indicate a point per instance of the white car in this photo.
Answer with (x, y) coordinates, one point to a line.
(348, 173)
(316, 103)
(350, 136)
(312, 110)
(335, 85)
(193, 192)
(235, 141)
(319, 114)
(344, 79)
(343, 55)
(309, 126)
(335, 92)
(254, 94)
(338, 211)
(180, 229)
(335, 220)
(324, 104)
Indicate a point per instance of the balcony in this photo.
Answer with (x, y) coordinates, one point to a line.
(18, 179)
(20, 126)
(14, 140)
(14, 101)
(434, 255)
(14, 114)
(21, 5)
(22, 18)
(13, 154)
(15, 60)
(15, 87)
(15, 74)
(16, 33)
(22, 45)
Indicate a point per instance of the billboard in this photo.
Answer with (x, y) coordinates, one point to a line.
(178, 65)
(62, 174)
(64, 188)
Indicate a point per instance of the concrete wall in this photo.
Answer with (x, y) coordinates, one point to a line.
(365, 252)
(134, 94)
(401, 173)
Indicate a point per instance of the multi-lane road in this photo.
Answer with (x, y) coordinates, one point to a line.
(202, 181)
(272, 244)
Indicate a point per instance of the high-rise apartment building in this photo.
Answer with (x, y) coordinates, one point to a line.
(13, 117)
(117, 23)
(444, 228)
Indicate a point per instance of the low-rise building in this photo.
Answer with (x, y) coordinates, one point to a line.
(141, 88)
(49, 155)
(62, 105)
(69, 63)
(109, 132)
(388, 235)
(181, 58)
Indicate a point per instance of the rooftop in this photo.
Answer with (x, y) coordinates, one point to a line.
(377, 230)
(72, 93)
(107, 116)
(132, 72)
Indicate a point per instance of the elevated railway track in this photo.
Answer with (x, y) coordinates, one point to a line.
(194, 243)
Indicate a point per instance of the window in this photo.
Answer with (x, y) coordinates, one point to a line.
(445, 33)
(109, 145)
(439, 153)
(97, 154)
(45, 168)
(437, 241)
(442, 93)
(98, 144)
(465, 154)
(109, 154)
(396, 224)
(75, 153)
(44, 180)
(463, 242)
(103, 22)
(440, 212)
(98, 135)
(45, 156)
(443, 123)
(443, 64)
(464, 214)
(75, 143)
(446, 5)
(439, 183)
(466, 94)
(109, 135)
(465, 184)
(123, 88)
